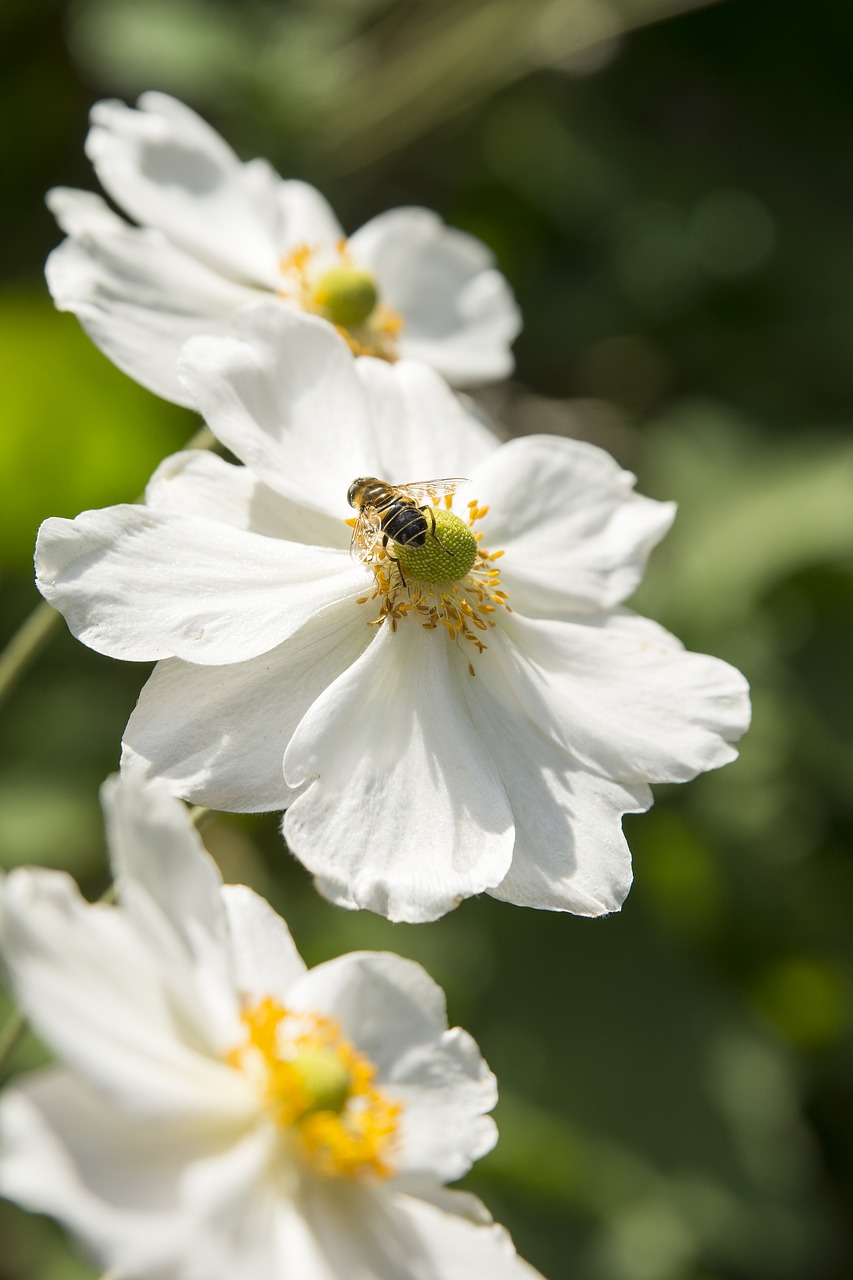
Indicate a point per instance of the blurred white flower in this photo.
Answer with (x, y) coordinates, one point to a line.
(478, 722)
(214, 234)
(221, 1111)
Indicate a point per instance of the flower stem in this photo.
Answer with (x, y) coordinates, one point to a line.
(26, 644)
(11, 1035)
(35, 631)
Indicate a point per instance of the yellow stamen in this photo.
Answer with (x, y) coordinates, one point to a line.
(464, 608)
(330, 284)
(320, 1090)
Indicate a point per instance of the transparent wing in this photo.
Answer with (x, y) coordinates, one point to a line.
(434, 489)
(366, 533)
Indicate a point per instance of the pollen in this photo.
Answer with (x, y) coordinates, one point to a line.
(320, 1091)
(450, 582)
(326, 282)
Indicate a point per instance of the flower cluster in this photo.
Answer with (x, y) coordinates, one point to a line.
(408, 636)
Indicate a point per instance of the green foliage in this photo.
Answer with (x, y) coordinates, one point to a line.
(75, 432)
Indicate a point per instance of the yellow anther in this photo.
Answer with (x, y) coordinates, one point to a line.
(320, 1090)
(462, 605)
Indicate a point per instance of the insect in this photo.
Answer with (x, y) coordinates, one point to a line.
(395, 512)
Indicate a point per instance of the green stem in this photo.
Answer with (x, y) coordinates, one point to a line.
(11, 1035)
(26, 644)
(34, 633)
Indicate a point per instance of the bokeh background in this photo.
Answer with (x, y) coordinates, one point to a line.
(669, 189)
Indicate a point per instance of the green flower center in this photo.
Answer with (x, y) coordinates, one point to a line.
(347, 295)
(324, 1079)
(448, 552)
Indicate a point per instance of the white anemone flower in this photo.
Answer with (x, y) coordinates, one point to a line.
(212, 234)
(474, 714)
(220, 1110)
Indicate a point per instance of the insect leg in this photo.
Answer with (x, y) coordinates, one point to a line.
(428, 511)
(393, 559)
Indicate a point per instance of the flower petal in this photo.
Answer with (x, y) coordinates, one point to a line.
(232, 1201)
(404, 813)
(218, 734)
(459, 312)
(122, 1013)
(138, 297)
(159, 862)
(112, 1182)
(623, 696)
(421, 430)
(283, 395)
(365, 1232)
(570, 853)
(575, 535)
(439, 1243)
(395, 1014)
(169, 170)
(199, 483)
(306, 218)
(140, 584)
(266, 962)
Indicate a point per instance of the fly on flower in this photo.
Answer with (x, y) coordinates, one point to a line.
(491, 685)
(396, 513)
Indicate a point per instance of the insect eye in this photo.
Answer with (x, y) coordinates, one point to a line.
(353, 491)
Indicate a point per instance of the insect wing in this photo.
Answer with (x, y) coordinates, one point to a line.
(421, 489)
(366, 534)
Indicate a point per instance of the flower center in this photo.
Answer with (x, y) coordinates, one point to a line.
(450, 581)
(319, 1089)
(327, 283)
(346, 294)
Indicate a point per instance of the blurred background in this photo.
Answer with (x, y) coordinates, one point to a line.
(668, 188)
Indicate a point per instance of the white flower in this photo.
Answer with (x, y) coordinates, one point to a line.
(214, 234)
(221, 1111)
(431, 741)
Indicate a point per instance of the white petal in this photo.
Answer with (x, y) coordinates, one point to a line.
(306, 218)
(232, 1201)
(141, 585)
(218, 734)
(622, 695)
(169, 170)
(266, 962)
(422, 431)
(113, 1183)
(440, 1243)
(283, 395)
(199, 483)
(159, 862)
(404, 813)
(119, 1011)
(83, 213)
(367, 1232)
(575, 535)
(459, 313)
(570, 853)
(394, 1013)
(138, 297)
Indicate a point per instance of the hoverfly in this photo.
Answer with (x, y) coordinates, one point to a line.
(395, 512)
